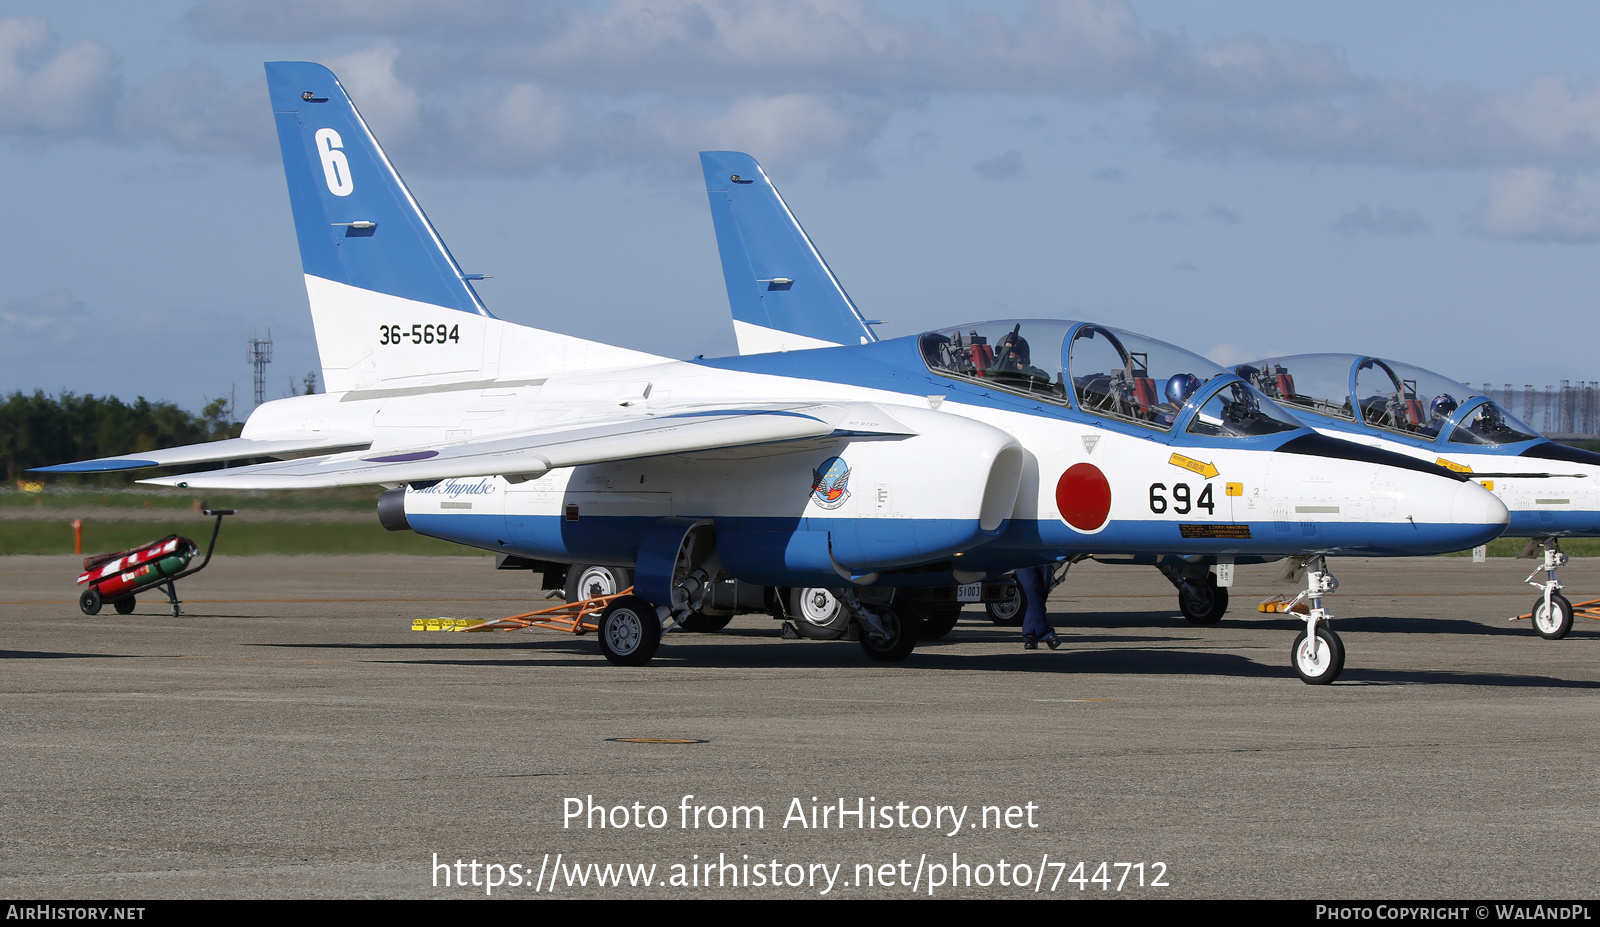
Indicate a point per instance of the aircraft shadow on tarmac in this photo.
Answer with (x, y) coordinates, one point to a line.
(759, 649)
(48, 655)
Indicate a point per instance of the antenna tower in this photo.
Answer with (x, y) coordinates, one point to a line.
(258, 351)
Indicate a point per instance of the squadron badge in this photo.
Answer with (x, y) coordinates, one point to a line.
(830, 483)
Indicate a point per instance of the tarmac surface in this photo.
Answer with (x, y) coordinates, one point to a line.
(290, 736)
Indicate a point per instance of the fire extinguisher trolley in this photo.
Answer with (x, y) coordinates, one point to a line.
(116, 579)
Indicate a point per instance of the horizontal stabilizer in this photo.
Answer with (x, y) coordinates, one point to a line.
(530, 454)
(298, 445)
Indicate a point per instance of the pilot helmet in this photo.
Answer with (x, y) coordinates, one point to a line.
(1180, 387)
(1443, 405)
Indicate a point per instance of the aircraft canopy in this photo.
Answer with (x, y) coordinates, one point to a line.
(1106, 372)
(1387, 395)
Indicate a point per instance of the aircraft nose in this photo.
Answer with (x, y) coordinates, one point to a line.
(1474, 505)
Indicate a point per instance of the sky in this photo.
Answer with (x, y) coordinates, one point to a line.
(1419, 181)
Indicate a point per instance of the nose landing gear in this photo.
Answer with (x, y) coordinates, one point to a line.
(1552, 613)
(1318, 653)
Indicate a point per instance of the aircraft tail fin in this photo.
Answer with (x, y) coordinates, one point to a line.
(390, 305)
(782, 293)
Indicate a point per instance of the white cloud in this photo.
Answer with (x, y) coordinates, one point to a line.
(190, 110)
(572, 84)
(1385, 220)
(48, 91)
(53, 313)
(1540, 204)
(386, 102)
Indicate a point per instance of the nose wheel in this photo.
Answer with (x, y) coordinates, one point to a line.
(1551, 619)
(1318, 660)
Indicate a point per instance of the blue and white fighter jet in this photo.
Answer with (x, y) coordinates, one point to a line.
(928, 460)
(1551, 490)
(784, 296)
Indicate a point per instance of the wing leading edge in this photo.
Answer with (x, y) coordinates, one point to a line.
(298, 445)
(530, 454)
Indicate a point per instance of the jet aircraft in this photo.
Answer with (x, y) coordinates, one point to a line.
(934, 459)
(1550, 489)
(783, 296)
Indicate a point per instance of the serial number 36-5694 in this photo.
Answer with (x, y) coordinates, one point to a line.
(419, 334)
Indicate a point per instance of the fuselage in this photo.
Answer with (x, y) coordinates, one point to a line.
(985, 480)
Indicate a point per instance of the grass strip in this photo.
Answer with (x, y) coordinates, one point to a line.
(238, 538)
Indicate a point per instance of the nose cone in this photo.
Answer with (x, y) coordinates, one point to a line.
(1479, 512)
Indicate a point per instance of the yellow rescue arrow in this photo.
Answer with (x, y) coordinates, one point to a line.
(1198, 466)
(1452, 465)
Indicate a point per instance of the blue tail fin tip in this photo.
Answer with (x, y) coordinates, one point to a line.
(776, 278)
(356, 221)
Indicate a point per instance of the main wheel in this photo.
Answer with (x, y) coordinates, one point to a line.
(1006, 612)
(630, 632)
(901, 626)
(1325, 665)
(937, 622)
(700, 621)
(818, 613)
(589, 581)
(1203, 602)
(123, 606)
(90, 601)
(1552, 623)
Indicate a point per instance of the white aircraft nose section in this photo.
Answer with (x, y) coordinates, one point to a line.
(1474, 505)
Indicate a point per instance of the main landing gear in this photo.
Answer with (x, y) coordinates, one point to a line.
(1200, 599)
(1318, 653)
(888, 634)
(1552, 613)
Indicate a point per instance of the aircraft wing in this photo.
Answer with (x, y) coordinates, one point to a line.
(294, 445)
(531, 453)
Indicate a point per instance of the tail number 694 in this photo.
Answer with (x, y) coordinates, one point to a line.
(1181, 499)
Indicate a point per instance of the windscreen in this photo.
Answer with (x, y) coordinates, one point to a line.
(1489, 423)
(1237, 411)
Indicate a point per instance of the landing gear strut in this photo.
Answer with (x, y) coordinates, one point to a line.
(1318, 653)
(1552, 613)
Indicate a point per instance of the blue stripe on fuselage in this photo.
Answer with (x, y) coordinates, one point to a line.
(615, 539)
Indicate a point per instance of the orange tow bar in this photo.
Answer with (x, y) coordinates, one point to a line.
(1589, 609)
(571, 617)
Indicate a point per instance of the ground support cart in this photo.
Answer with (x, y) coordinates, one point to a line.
(116, 579)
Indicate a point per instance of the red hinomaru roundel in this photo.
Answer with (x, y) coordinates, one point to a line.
(1083, 496)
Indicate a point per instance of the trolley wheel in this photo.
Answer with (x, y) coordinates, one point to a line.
(902, 639)
(700, 621)
(1323, 667)
(124, 606)
(90, 601)
(937, 622)
(630, 632)
(589, 581)
(1203, 602)
(1552, 625)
